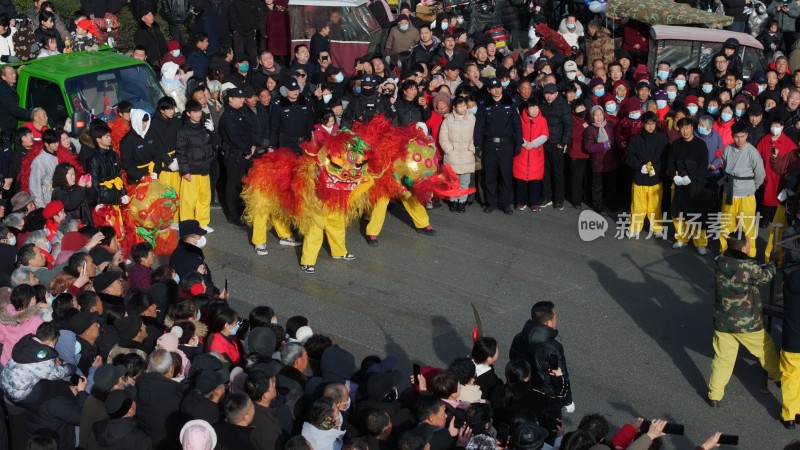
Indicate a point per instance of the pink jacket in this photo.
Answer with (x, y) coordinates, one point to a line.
(14, 325)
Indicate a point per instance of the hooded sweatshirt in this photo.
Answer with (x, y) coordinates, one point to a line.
(139, 149)
(31, 361)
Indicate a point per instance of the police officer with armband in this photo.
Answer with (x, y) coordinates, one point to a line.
(367, 105)
(237, 143)
(291, 119)
(498, 137)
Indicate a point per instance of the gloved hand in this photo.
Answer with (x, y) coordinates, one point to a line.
(678, 180)
(644, 169)
(686, 180)
(125, 199)
(209, 124)
(154, 176)
(97, 208)
(173, 166)
(606, 145)
(570, 408)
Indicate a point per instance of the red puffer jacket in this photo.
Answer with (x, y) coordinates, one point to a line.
(529, 164)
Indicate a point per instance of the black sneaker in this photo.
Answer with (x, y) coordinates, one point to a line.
(488, 209)
(558, 206)
(372, 241)
(508, 211)
(428, 231)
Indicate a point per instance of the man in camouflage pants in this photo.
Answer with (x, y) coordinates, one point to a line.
(738, 317)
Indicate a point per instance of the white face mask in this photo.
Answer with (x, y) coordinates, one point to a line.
(176, 53)
(201, 242)
(776, 131)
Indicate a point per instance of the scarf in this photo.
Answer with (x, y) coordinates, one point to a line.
(602, 136)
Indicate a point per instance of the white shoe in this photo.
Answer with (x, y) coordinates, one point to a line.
(659, 235)
(261, 250)
(174, 225)
(632, 234)
(290, 242)
(208, 229)
(679, 245)
(702, 251)
(346, 257)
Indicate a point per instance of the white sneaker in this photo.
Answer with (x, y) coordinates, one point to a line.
(546, 204)
(659, 235)
(702, 251)
(679, 245)
(261, 250)
(632, 234)
(174, 225)
(208, 229)
(290, 242)
(308, 269)
(346, 257)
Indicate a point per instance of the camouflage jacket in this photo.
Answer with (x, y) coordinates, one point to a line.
(737, 307)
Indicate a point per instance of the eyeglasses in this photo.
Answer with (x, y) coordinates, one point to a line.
(301, 74)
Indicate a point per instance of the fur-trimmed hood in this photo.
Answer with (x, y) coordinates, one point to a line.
(10, 316)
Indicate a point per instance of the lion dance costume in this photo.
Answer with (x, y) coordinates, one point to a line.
(319, 192)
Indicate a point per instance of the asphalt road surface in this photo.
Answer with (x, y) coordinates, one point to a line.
(635, 317)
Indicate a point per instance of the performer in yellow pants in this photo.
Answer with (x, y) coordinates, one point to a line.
(741, 215)
(195, 198)
(646, 203)
(415, 209)
(726, 347)
(691, 230)
(776, 228)
(790, 385)
(260, 226)
(174, 179)
(334, 228)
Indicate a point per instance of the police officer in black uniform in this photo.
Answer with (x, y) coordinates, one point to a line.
(237, 143)
(366, 105)
(10, 114)
(291, 119)
(498, 136)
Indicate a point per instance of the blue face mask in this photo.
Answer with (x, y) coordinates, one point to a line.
(445, 25)
(473, 110)
(327, 97)
(570, 26)
(611, 108)
(403, 27)
(578, 93)
(505, 83)
(703, 130)
(726, 117)
(692, 110)
(235, 329)
(599, 92)
(662, 74)
(78, 347)
(671, 95)
(177, 278)
(761, 88)
(707, 88)
(619, 98)
(358, 89)
(661, 104)
(244, 67)
(49, 247)
(635, 115)
(680, 83)
(339, 77)
(739, 112)
(12, 241)
(712, 109)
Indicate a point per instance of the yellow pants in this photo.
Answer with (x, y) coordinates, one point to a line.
(174, 179)
(260, 222)
(646, 203)
(776, 233)
(726, 347)
(684, 232)
(195, 199)
(790, 385)
(740, 213)
(415, 209)
(333, 226)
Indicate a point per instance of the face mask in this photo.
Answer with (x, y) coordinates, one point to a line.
(12, 241)
(692, 110)
(49, 298)
(49, 247)
(78, 347)
(176, 53)
(358, 89)
(578, 93)
(739, 112)
(244, 67)
(661, 104)
(274, 321)
(680, 83)
(671, 95)
(348, 405)
(599, 92)
(776, 131)
(703, 130)
(581, 78)
(177, 278)
(726, 117)
(571, 75)
(707, 88)
(581, 114)
(445, 25)
(68, 127)
(768, 108)
(570, 26)
(327, 97)
(403, 27)
(662, 74)
(761, 88)
(611, 108)
(635, 115)
(712, 109)
(505, 83)
(201, 242)
(235, 329)
(619, 98)
(473, 110)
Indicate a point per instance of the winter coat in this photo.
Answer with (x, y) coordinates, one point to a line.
(187, 258)
(576, 150)
(153, 40)
(77, 202)
(14, 325)
(228, 347)
(737, 303)
(559, 120)
(786, 21)
(267, 434)
(402, 41)
(509, 15)
(735, 9)
(422, 54)
(408, 112)
(31, 361)
(322, 439)
(274, 23)
(320, 134)
(244, 17)
(794, 56)
(141, 155)
(535, 343)
(571, 36)
(230, 436)
(714, 145)
(634, 37)
(106, 175)
(40, 182)
(7, 45)
(158, 401)
(647, 148)
(600, 46)
(772, 43)
(119, 434)
(603, 159)
(769, 189)
(197, 406)
(193, 149)
(624, 131)
(689, 159)
(724, 130)
(52, 406)
(528, 165)
(176, 11)
(456, 136)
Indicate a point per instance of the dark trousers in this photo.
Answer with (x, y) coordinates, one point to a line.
(579, 179)
(176, 31)
(553, 181)
(497, 162)
(246, 44)
(788, 40)
(214, 175)
(235, 169)
(601, 180)
(529, 193)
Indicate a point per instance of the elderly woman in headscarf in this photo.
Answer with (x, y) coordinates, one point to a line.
(173, 81)
(598, 140)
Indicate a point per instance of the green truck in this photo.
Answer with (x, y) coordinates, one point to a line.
(79, 84)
